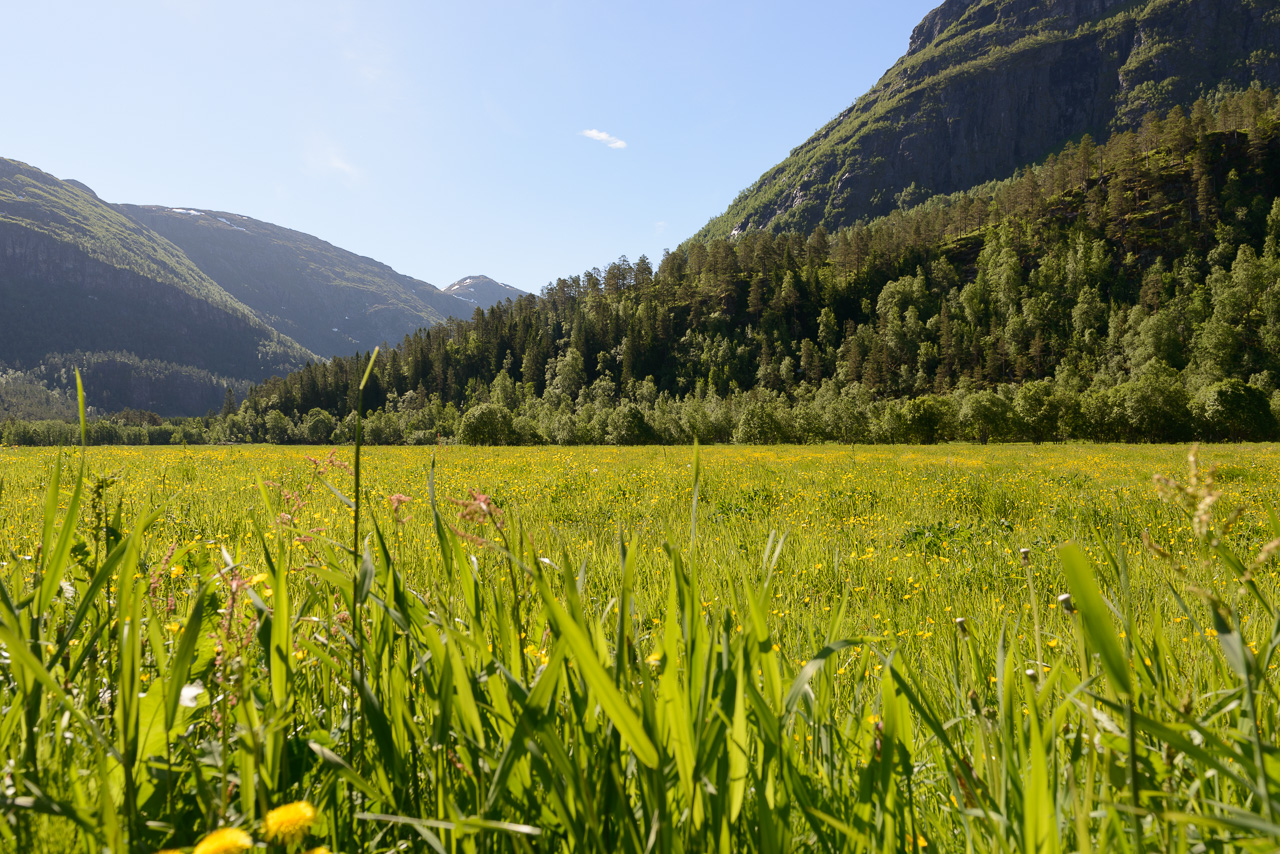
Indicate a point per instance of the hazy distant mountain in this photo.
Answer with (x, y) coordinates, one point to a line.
(76, 275)
(332, 301)
(482, 291)
(989, 86)
(165, 308)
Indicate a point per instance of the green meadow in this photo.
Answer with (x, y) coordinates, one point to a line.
(890, 648)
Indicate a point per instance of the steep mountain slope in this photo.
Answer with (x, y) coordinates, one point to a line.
(482, 291)
(76, 275)
(330, 300)
(988, 86)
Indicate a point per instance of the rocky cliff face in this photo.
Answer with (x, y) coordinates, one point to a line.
(988, 86)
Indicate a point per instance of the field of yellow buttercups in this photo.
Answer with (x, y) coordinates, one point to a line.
(966, 648)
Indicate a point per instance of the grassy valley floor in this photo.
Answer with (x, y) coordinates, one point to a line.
(915, 683)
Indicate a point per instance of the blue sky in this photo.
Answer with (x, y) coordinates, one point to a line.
(444, 139)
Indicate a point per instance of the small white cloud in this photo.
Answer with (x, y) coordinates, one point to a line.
(660, 227)
(608, 139)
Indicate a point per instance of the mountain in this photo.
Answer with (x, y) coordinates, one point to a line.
(1128, 290)
(989, 86)
(165, 308)
(77, 275)
(482, 291)
(328, 299)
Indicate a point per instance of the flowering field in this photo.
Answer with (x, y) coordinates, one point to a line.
(804, 648)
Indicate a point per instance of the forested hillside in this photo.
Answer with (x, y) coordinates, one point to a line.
(77, 275)
(81, 283)
(1125, 290)
(987, 86)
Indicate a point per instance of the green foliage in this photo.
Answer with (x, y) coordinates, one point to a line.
(929, 419)
(482, 694)
(1235, 412)
(486, 424)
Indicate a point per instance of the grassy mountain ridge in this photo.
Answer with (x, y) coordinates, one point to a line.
(76, 275)
(331, 300)
(987, 87)
(71, 213)
(165, 308)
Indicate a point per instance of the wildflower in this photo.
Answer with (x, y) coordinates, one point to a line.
(397, 501)
(176, 571)
(226, 840)
(289, 823)
(479, 509)
(318, 850)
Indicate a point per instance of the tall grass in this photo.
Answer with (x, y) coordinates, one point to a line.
(498, 702)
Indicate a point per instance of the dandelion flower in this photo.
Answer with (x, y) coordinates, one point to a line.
(289, 823)
(319, 850)
(227, 840)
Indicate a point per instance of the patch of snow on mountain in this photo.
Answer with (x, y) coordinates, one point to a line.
(233, 225)
(185, 211)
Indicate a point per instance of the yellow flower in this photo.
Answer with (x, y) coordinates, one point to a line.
(289, 823)
(318, 850)
(226, 840)
(175, 572)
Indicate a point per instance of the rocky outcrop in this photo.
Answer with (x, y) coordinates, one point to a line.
(988, 86)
